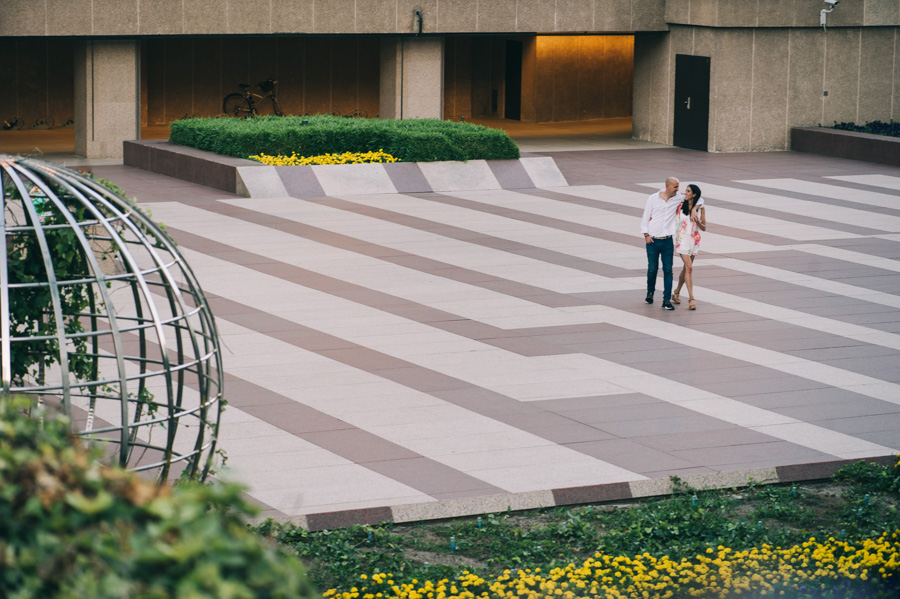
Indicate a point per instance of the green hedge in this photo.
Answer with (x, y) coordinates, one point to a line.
(71, 528)
(411, 140)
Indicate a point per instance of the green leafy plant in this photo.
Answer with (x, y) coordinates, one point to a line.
(860, 502)
(890, 128)
(70, 527)
(412, 140)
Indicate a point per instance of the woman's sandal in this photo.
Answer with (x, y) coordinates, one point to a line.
(692, 305)
(675, 299)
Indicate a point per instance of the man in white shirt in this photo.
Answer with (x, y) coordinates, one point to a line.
(658, 227)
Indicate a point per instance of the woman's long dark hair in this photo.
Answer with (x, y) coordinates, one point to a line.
(685, 208)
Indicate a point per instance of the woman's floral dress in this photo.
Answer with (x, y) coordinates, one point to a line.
(687, 234)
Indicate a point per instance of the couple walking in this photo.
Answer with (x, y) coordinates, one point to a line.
(672, 223)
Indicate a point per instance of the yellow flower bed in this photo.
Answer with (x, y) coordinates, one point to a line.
(345, 158)
(721, 573)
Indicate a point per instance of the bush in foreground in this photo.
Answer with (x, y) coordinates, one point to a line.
(70, 527)
(411, 140)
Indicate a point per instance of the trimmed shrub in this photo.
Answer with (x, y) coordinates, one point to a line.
(70, 527)
(412, 140)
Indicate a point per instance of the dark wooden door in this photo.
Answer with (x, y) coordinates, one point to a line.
(512, 104)
(691, 102)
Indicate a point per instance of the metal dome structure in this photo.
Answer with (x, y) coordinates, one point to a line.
(101, 316)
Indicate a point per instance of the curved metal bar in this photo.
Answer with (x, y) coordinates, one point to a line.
(189, 326)
(50, 269)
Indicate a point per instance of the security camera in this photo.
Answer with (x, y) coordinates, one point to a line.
(832, 2)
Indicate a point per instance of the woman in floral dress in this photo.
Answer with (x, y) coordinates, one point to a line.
(691, 220)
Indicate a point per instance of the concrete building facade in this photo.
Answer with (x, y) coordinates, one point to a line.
(717, 75)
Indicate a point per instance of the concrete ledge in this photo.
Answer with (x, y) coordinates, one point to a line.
(254, 180)
(847, 144)
(614, 492)
(187, 164)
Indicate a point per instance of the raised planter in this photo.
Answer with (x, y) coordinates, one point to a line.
(253, 179)
(846, 144)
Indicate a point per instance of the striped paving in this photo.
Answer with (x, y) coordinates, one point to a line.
(398, 356)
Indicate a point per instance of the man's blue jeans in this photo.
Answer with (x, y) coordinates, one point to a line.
(656, 249)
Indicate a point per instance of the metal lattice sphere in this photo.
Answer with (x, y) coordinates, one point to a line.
(101, 316)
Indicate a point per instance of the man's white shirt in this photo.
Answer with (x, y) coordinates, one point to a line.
(659, 215)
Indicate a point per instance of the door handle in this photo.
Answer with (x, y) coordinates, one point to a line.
(687, 103)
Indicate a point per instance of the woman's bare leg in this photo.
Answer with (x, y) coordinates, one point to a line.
(687, 274)
(680, 279)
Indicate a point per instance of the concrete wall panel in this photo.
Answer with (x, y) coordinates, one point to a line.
(575, 15)
(205, 17)
(289, 16)
(895, 100)
(28, 18)
(806, 79)
(678, 11)
(731, 78)
(882, 12)
(248, 18)
(775, 13)
(736, 14)
(375, 17)
(406, 19)
(220, 17)
(768, 110)
(106, 97)
(67, 17)
(610, 15)
(647, 15)
(875, 90)
(494, 15)
(703, 12)
(334, 16)
(456, 15)
(156, 17)
(423, 78)
(115, 17)
(841, 75)
(806, 14)
(534, 15)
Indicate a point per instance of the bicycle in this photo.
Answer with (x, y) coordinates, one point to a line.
(246, 103)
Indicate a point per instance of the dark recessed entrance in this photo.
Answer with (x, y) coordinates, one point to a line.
(691, 102)
(512, 108)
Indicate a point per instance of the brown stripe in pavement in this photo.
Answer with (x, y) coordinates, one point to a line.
(345, 518)
(521, 344)
(757, 236)
(537, 295)
(489, 241)
(592, 494)
(390, 304)
(521, 415)
(332, 434)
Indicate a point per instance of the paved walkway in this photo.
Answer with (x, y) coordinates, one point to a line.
(411, 356)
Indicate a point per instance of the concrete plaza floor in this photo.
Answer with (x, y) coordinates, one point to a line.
(428, 355)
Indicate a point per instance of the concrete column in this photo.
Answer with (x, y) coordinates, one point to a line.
(412, 78)
(107, 97)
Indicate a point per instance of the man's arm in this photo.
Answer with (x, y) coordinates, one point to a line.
(645, 220)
